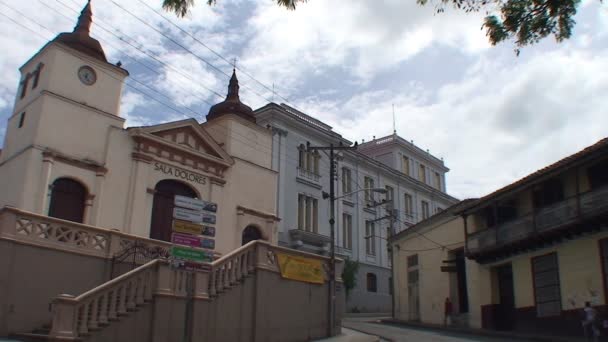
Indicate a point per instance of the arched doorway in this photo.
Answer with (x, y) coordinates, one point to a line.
(67, 200)
(162, 207)
(250, 233)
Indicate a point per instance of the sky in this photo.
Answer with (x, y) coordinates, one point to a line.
(493, 117)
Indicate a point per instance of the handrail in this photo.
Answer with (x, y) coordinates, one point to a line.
(118, 279)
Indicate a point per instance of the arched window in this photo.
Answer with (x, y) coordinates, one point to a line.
(371, 283)
(250, 233)
(162, 207)
(67, 200)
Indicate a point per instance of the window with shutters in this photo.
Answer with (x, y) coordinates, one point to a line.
(370, 234)
(425, 209)
(422, 173)
(406, 165)
(408, 209)
(347, 231)
(390, 192)
(308, 212)
(368, 184)
(346, 181)
(547, 294)
(437, 180)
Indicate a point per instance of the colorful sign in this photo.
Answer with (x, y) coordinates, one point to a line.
(186, 240)
(194, 204)
(208, 231)
(207, 243)
(189, 228)
(307, 270)
(190, 266)
(190, 254)
(187, 215)
(208, 218)
(192, 241)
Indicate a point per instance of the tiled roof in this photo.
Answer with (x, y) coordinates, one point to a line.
(544, 171)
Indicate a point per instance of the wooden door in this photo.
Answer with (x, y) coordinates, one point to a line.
(67, 200)
(506, 308)
(162, 207)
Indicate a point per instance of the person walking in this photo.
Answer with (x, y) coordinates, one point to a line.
(448, 309)
(590, 328)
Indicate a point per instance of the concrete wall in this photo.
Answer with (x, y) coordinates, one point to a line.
(362, 300)
(31, 276)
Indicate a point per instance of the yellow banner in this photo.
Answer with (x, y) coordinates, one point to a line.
(301, 269)
(187, 227)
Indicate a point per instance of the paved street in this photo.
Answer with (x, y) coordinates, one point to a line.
(403, 334)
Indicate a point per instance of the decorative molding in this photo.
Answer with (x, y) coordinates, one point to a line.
(51, 156)
(138, 156)
(244, 210)
(309, 183)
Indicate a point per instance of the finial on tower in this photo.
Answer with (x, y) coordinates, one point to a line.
(85, 19)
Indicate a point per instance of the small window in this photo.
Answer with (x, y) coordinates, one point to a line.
(24, 86)
(368, 184)
(422, 173)
(438, 180)
(370, 241)
(21, 120)
(406, 165)
(371, 283)
(37, 75)
(347, 231)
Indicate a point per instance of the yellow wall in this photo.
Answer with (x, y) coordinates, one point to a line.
(434, 285)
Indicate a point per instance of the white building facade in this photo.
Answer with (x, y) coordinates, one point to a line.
(413, 179)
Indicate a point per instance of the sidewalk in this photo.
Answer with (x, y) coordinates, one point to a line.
(349, 335)
(484, 332)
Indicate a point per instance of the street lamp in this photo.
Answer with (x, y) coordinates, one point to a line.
(332, 247)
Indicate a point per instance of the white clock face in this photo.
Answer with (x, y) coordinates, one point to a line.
(87, 75)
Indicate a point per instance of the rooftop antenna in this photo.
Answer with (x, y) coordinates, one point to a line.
(394, 126)
(234, 63)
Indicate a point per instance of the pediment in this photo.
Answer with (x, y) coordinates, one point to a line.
(183, 141)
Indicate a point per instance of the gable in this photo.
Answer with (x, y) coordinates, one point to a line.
(187, 136)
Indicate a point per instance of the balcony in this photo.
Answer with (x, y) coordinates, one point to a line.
(549, 223)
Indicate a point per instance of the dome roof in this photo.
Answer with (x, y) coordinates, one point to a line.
(232, 104)
(79, 39)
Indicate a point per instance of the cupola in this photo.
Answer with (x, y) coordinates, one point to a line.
(232, 104)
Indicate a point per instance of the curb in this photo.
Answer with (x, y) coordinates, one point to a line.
(482, 332)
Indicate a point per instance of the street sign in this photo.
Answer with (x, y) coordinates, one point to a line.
(192, 241)
(194, 204)
(188, 215)
(208, 218)
(191, 254)
(208, 231)
(189, 227)
(186, 240)
(207, 243)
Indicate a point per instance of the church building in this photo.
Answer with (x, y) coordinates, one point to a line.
(67, 153)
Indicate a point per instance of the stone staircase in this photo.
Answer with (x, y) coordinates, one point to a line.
(80, 318)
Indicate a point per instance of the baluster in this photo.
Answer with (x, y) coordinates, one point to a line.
(244, 266)
(112, 298)
(122, 299)
(94, 314)
(84, 318)
(148, 287)
(131, 293)
(251, 258)
(226, 276)
(212, 287)
(233, 271)
(103, 308)
(220, 278)
(140, 290)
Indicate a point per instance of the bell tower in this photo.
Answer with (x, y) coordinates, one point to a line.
(68, 96)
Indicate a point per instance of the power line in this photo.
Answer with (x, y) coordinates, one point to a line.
(183, 47)
(213, 51)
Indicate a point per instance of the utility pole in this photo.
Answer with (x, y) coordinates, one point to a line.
(331, 302)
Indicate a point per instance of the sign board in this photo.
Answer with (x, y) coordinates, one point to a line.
(186, 240)
(192, 241)
(189, 227)
(194, 204)
(307, 270)
(188, 215)
(190, 254)
(190, 266)
(208, 231)
(450, 269)
(208, 218)
(207, 243)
